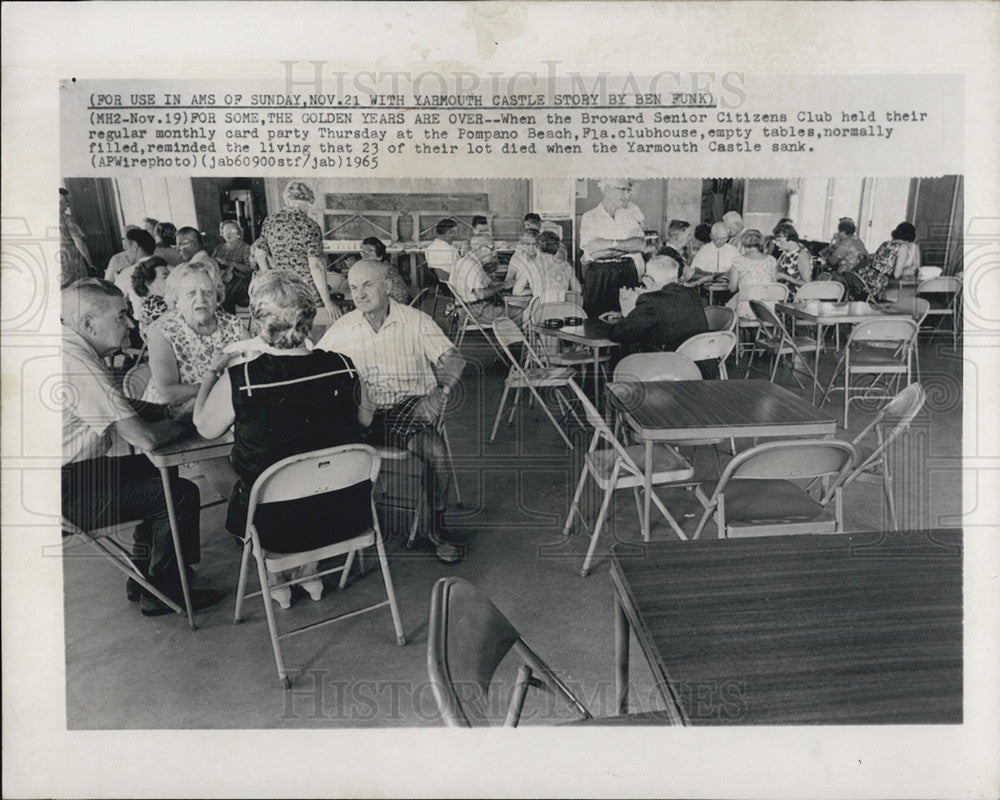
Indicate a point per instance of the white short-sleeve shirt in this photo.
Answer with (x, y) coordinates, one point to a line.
(395, 362)
(714, 259)
(599, 224)
(91, 405)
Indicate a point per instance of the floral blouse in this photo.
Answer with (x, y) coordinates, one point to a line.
(194, 352)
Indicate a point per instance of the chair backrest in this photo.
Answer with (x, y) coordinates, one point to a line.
(768, 319)
(467, 638)
(944, 284)
(857, 289)
(917, 307)
(821, 290)
(770, 292)
(640, 367)
(799, 459)
(316, 472)
(901, 330)
(926, 273)
(602, 431)
(720, 318)
(705, 346)
(507, 333)
(544, 310)
(135, 381)
(418, 298)
(902, 408)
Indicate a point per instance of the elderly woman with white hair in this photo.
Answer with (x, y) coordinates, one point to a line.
(282, 399)
(184, 341)
(292, 240)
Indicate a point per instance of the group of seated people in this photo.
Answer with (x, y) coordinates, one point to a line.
(381, 374)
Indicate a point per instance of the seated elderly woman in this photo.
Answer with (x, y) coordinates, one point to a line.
(749, 267)
(896, 258)
(149, 281)
(283, 399)
(546, 276)
(373, 249)
(794, 261)
(184, 341)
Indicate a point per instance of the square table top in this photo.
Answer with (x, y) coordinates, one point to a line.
(191, 449)
(593, 333)
(836, 629)
(834, 313)
(671, 410)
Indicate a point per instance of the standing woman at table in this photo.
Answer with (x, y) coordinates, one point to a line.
(794, 259)
(282, 399)
(897, 258)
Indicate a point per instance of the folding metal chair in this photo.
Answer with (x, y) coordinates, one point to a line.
(721, 318)
(944, 294)
(418, 298)
(135, 381)
(774, 338)
(757, 495)
(441, 287)
(617, 467)
(296, 477)
(533, 375)
(466, 320)
(467, 639)
(878, 347)
(873, 462)
(765, 292)
(829, 291)
(711, 346)
(104, 541)
(918, 308)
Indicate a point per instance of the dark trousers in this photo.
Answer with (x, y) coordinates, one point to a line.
(106, 491)
(237, 291)
(601, 283)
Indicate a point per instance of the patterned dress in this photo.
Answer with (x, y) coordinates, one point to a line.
(788, 264)
(152, 307)
(194, 353)
(290, 237)
(877, 271)
(750, 271)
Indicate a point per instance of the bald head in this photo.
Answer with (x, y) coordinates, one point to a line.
(733, 222)
(369, 283)
(720, 234)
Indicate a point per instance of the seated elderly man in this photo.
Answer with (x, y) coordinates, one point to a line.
(408, 367)
(715, 258)
(441, 253)
(525, 253)
(233, 256)
(846, 250)
(612, 239)
(664, 317)
(472, 284)
(139, 246)
(100, 485)
(119, 261)
(735, 227)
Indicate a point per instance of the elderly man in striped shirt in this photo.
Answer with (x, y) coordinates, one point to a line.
(409, 368)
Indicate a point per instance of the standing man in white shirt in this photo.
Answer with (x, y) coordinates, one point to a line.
(612, 239)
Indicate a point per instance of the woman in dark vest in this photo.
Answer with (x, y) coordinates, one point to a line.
(283, 398)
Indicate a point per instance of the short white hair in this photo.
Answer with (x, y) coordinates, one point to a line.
(182, 272)
(85, 299)
(606, 183)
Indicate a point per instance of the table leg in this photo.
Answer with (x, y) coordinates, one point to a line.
(819, 339)
(597, 369)
(621, 657)
(168, 495)
(647, 481)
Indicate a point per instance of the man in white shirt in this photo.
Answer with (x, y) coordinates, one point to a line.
(139, 245)
(102, 486)
(409, 368)
(472, 284)
(119, 261)
(441, 253)
(734, 226)
(612, 239)
(714, 258)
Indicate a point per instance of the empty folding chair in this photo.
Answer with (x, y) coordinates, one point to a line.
(533, 375)
(721, 318)
(467, 639)
(873, 463)
(769, 293)
(468, 320)
(774, 338)
(878, 347)
(828, 291)
(712, 346)
(759, 493)
(297, 477)
(944, 294)
(615, 466)
(916, 307)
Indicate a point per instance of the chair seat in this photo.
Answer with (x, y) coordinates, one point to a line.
(540, 376)
(873, 357)
(669, 466)
(575, 358)
(770, 500)
(279, 562)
